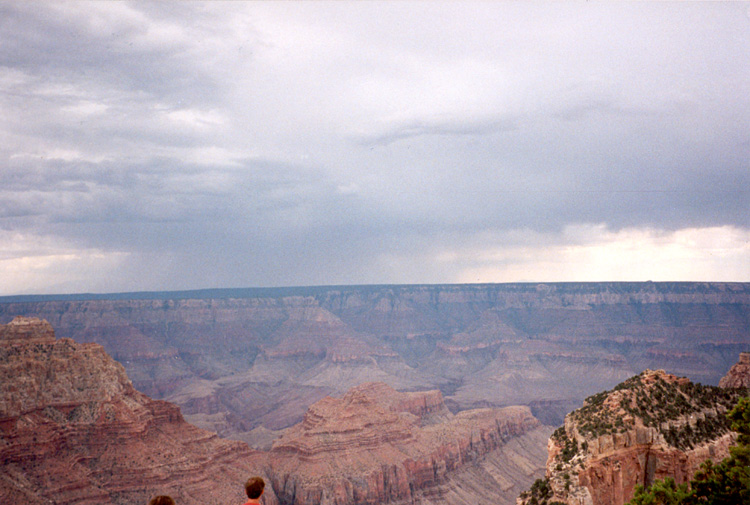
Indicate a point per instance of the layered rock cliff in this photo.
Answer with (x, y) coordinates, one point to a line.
(739, 375)
(652, 426)
(236, 360)
(73, 430)
(375, 445)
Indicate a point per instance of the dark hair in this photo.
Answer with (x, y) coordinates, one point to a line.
(254, 487)
(161, 500)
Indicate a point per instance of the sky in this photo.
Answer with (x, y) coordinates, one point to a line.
(187, 145)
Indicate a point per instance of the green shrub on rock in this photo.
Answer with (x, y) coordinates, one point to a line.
(725, 483)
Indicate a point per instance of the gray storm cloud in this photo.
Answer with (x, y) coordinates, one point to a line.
(172, 146)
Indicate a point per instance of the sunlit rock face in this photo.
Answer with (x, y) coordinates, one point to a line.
(248, 363)
(74, 430)
(739, 375)
(375, 445)
(652, 426)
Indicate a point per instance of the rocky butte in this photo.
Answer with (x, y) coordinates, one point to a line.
(249, 362)
(652, 426)
(739, 375)
(73, 430)
(375, 445)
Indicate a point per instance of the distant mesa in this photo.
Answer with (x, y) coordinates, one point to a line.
(242, 359)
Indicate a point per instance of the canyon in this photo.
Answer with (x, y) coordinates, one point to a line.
(361, 394)
(248, 363)
(73, 430)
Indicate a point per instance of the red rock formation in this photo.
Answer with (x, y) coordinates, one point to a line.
(74, 430)
(652, 426)
(25, 331)
(375, 445)
(739, 375)
(313, 331)
(610, 478)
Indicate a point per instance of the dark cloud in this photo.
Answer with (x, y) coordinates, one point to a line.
(206, 144)
(418, 128)
(117, 47)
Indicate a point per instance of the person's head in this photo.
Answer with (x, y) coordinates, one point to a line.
(254, 487)
(161, 500)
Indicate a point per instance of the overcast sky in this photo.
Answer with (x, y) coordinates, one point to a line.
(173, 145)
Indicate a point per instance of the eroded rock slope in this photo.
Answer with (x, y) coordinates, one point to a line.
(375, 445)
(73, 430)
(652, 426)
(739, 375)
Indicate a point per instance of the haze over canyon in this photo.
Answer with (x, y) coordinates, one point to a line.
(247, 363)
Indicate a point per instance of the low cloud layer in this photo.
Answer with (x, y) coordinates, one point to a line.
(150, 146)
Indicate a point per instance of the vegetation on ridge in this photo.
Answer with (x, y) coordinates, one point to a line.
(539, 494)
(725, 483)
(685, 413)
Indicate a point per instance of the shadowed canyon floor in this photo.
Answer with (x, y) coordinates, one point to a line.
(247, 363)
